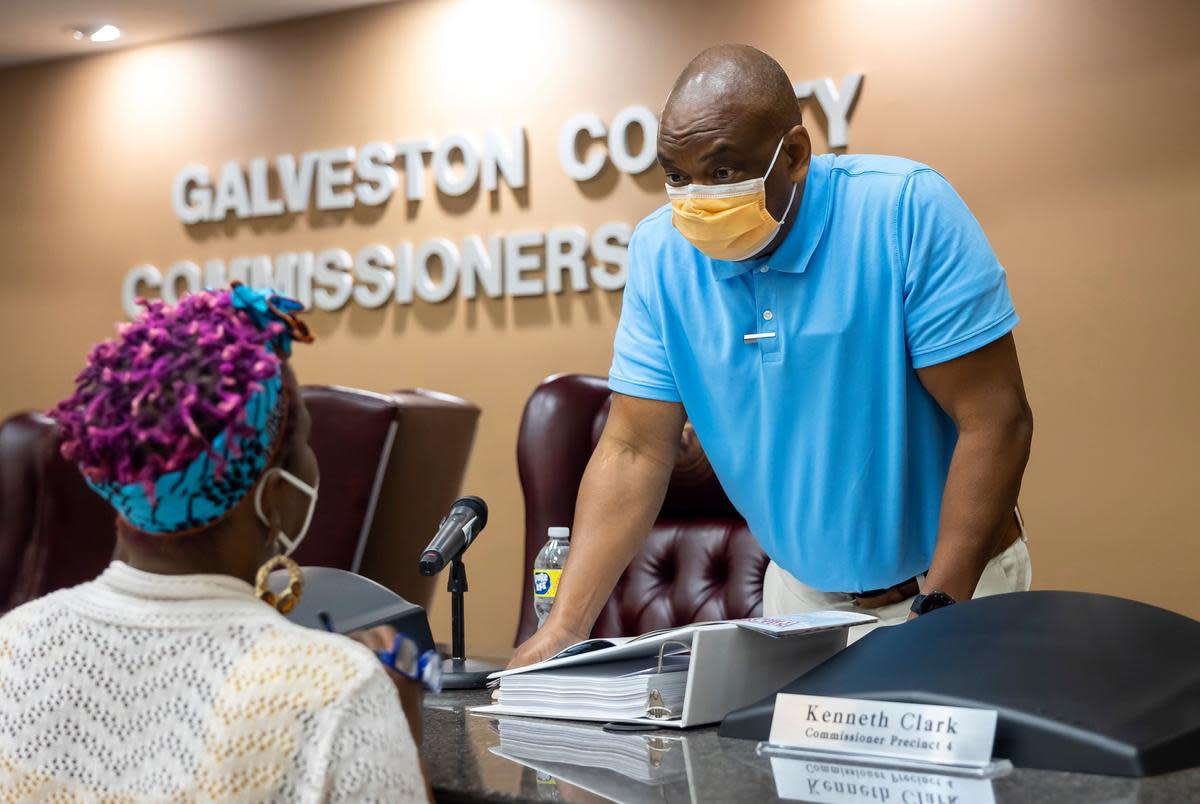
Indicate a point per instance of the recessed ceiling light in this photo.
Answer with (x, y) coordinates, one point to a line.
(105, 33)
(96, 33)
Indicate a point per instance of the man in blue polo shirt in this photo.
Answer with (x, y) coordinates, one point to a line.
(837, 330)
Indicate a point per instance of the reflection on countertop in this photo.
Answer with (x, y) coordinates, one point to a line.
(488, 759)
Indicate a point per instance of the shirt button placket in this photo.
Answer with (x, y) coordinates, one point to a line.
(769, 314)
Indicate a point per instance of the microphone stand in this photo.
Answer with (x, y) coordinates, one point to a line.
(459, 672)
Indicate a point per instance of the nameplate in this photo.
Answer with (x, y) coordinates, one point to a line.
(837, 783)
(945, 735)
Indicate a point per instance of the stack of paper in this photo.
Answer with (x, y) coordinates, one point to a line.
(647, 759)
(608, 691)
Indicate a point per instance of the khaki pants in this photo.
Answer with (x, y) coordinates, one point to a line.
(1010, 571)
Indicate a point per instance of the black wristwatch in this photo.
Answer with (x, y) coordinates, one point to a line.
(923, 604)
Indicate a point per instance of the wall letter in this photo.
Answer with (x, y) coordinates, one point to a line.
(427, 287)
(261, 203)
(191, 194)
(559, 259)
(482, 264)
(380, 179)
(294, 276)
(373, 267)
(567, 141)
(610, 246)
(296, 184)
(837, 105)
(240, 268)
(332, 276)
(144, 274)
(442, 169)
(231, 193)
(495, 160)
(330, 178)
(516, 263)
(214, 274)
(618, 140)
(186, 270)
(404, 273)
(413, 153)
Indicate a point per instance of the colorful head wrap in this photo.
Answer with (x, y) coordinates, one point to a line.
(174, 421)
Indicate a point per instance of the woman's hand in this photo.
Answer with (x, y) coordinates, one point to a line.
(380, 638)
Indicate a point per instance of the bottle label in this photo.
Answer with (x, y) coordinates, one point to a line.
(545, 582)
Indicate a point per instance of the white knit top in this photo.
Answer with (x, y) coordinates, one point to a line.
(142, 687)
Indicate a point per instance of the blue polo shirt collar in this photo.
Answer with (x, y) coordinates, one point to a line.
(793, 254)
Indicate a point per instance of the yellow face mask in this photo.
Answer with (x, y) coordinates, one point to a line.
(727, 221)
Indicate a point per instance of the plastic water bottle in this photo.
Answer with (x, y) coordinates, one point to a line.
(547, 568)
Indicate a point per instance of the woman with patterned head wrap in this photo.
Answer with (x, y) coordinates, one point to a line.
(173, 675)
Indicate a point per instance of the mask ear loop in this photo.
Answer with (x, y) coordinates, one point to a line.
(788, 208)
(771, 166)
(311, 492)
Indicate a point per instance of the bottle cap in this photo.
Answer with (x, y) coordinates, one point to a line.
(559, 533)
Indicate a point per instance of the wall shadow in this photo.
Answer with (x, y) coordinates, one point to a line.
(331, 218)
(401, 314)
(485, 307)
(229, 228)
(531, 311)
(367, 323)
(519, 194)
(602, 184)
(324, 323)
(436, 316)
(458, 204)
(652, 181)
(566, 302)
(614, 299)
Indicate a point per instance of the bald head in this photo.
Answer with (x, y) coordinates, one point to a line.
(732, 109)
(738, 78)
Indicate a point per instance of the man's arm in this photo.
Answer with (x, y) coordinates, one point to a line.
(984, 395)
(619, 498)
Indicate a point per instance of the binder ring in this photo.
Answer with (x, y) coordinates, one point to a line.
(662, 649)
(656, 708)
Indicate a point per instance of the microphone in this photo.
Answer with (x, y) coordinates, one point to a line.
(467, 518)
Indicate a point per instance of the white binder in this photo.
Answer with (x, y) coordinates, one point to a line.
(730, 667)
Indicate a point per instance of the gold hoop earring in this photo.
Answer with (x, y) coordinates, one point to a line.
(286, 600)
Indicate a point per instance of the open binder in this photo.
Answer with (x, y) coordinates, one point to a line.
(729, 667)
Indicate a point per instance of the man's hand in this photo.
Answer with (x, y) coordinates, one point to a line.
(548, 641)
(380, 638)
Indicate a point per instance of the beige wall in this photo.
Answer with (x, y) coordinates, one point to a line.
(1069, 127)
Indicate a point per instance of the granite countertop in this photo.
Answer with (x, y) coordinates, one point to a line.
(477, 758)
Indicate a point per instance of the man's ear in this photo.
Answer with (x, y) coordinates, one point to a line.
(798, 147)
